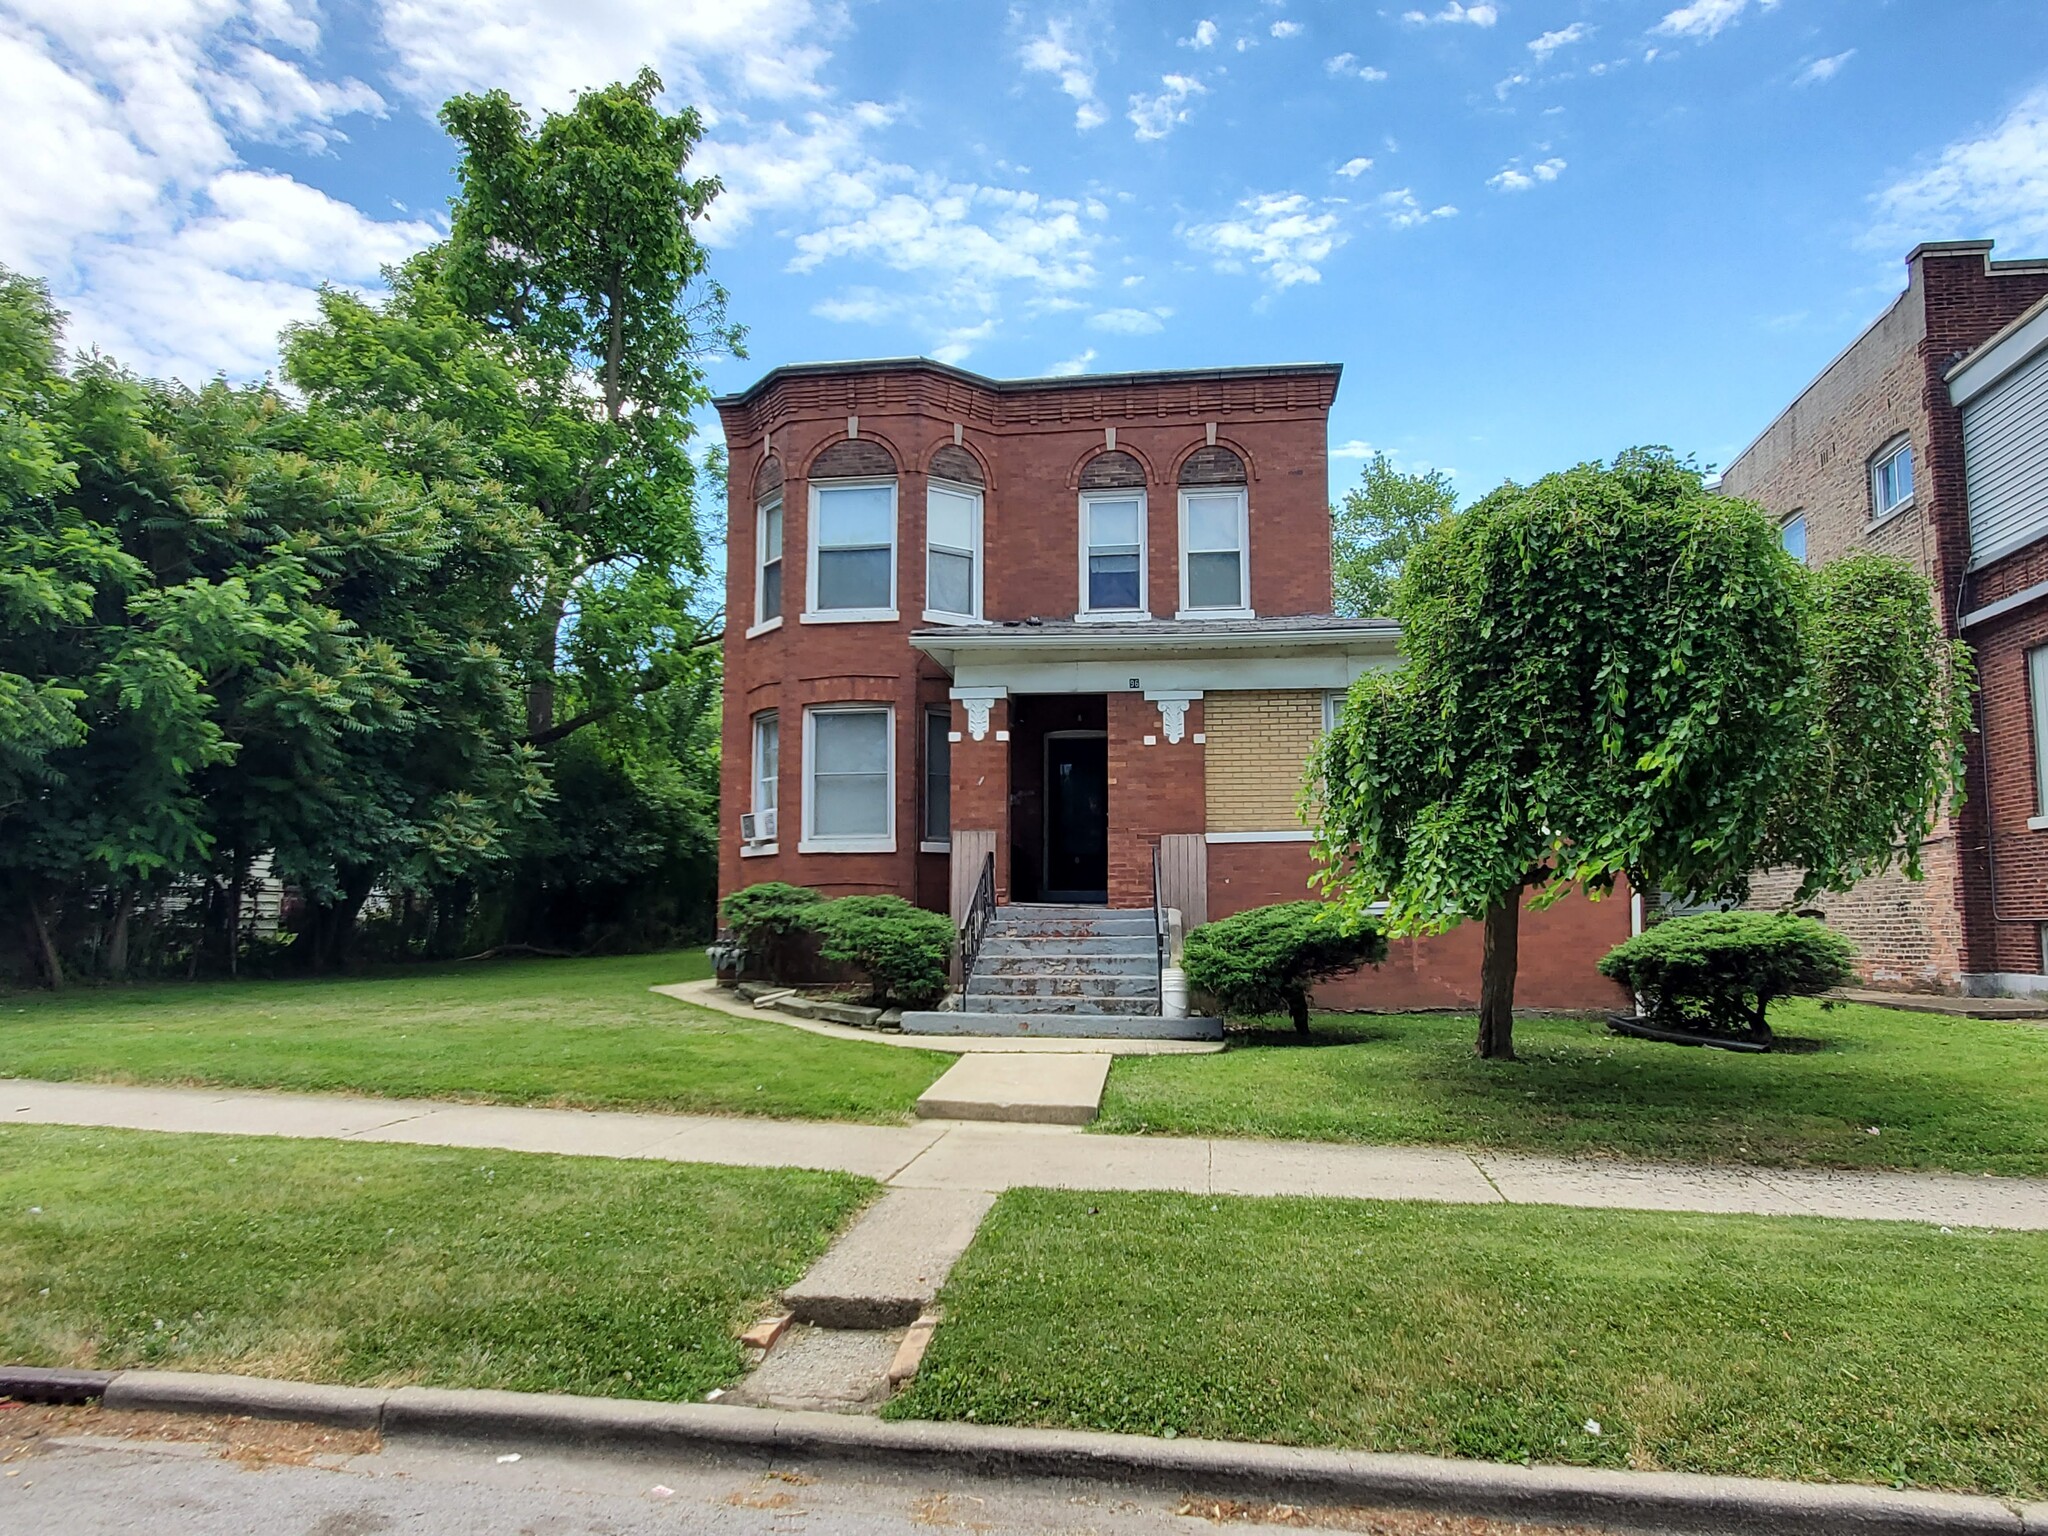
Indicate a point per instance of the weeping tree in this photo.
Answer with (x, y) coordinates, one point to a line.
(1615, 674)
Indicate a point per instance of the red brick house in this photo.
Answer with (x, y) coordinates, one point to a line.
(1057, 630)
(1928, 439)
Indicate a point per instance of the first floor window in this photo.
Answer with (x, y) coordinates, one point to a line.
(849, 777)
(952, 547)
(768, 595)
(938, 776)
(1213, 549)
(1113, 528)
(767, 771)
(1891, 479)
(1793, 536)
(2037, 691)
(853, 539)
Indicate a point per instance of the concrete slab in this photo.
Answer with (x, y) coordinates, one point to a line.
(1948, 1200)
(1040, 1090)
(872, 1151)
(1347, 1173)
(825, 1370)
(890, 1263)
(230, 1112)
(1632, 1186)
(998, 1158)
(980, 1022)
(570, 1132)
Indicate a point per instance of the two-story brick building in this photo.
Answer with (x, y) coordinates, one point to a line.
(1928, 439)
(1078, 628)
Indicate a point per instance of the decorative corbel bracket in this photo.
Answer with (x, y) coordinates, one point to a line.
(976, 701)
(1173, 711)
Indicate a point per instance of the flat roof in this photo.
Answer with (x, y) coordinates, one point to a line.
(1066, 639)
(1012, 386)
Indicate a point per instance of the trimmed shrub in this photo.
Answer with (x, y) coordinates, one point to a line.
(762, 916)
(1266, 959)
(1719, 972)
(903, 950)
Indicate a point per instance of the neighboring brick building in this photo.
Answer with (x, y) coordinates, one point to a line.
(1925, 439)
(1060, 623)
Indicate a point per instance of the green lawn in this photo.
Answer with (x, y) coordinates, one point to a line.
(570, 1032)
(1963, 1094)
(1759, 1346)
(388, 1265)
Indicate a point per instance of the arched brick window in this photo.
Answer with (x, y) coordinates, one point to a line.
(1112, 536)
(1114, 470)
(768, 542)
(955, 463)
(1215, 465)
(851, 571)
(1215, 535)
(858, 458)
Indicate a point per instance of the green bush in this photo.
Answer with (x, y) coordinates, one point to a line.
(1267, 958)
(762, 916)
(903, 950)
(1719, 972)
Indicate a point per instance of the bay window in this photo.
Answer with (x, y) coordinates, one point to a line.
(768, 550)
(849, 779)
(853, 550)
(759, 828)
(952, 563)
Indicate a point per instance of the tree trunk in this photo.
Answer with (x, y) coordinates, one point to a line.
(1497, 978)
(117, 938)
(540, 693)
(234, 923)
(46, 947)
(1297, 1005)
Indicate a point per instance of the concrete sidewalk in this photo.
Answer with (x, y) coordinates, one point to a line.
(951, 1155)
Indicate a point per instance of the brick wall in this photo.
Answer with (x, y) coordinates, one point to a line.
(1154, 788)
(1257, 747)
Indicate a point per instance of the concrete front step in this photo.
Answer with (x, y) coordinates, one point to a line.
(1141, 949)
(889, 1265)
(1068, 1025)
(1039, 963)
(1089, 1006)
(1120, 923)
(1065, 984)
(1044, 1089)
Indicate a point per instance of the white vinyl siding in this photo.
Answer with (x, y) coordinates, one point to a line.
(952, 562)
(1214, 535)
(853, 550)
(2005, 462)
(849, 780)
(1891, 480)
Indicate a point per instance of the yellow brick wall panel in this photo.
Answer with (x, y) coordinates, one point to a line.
(1257, 746)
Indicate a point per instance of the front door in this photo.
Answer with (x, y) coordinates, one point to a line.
(1076, 816)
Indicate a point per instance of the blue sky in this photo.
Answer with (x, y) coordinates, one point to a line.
(1533, 231)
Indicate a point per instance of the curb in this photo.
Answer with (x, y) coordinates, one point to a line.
(1641, 1501)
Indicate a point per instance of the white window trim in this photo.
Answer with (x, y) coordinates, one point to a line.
(775, 499)
(812, 614)
(1805, 528)
(1884, 456)
(1333, 706)
(1244, 554)
(806, 842)
(1086, 615)
(758, 850)
(941, 615)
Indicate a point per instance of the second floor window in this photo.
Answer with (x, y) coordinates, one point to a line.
(1891, 480)
(768, 592)
(1212, 561)
(952, 571)
(1113, 552)
(1793, 536)
(853, 548)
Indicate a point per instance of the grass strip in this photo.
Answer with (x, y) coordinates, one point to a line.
(1863, 1088)
(385, 1265)
(582, 1033)
(1759, 1346)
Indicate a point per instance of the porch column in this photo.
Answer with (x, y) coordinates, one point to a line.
(981, 789)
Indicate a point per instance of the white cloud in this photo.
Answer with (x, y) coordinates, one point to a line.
(1355, 448)
(1072, 366)
(1454, 12)
(1512, 178)
(1156, 116)
(1357, 165)
(1131, 322)
(1402, 210)
(1347, 64)
(125, 187)
(1543, 47)
(1284, 235)
(1824, 69)
(1205, 36)
(1995, 184)
(1055, 52)
(1288, 29)
(1705, 18)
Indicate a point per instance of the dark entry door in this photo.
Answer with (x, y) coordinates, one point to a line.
(1076, 817)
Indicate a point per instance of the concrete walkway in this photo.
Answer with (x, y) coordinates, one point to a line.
(950, 1155)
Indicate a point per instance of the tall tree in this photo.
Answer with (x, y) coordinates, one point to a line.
(1374, 527)
(1614, 673)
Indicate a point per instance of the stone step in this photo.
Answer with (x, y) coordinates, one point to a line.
(1062, 984)
(1117, 923)
(1099, 1006)
(1007, 946)
(1068, 1026)
(1038, 1089)
(1049, 962)
(889, 1265)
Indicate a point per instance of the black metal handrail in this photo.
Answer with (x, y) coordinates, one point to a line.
(980, 913)
(1159, 924)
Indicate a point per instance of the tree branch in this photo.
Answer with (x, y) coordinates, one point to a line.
(651, 682)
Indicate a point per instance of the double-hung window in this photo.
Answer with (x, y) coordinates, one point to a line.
(1213, 539)
(1891, 480)
(2037, 693)
(952, 561)
(937, 831)
(853, 550)
(1113, 552)
(849, 779)
(768, 551)
(1793, 536)
(767, 775)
